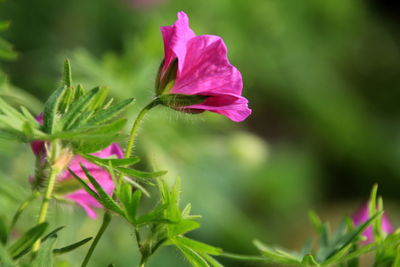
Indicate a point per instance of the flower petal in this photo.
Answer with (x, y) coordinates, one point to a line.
(175, 39)
(232, 106)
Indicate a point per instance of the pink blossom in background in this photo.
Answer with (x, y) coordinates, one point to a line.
(203, 69)
(80, 196)
(362, 215)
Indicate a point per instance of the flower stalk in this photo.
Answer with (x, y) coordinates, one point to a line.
(54, 171)
(135, 126)
(103, 227)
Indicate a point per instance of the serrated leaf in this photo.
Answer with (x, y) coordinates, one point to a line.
(44, 257)
(198, 246)
(24, 243)
(107, 114)
(130, 202)
(104, 198)
(99, 99)
(155, 215)
(115, 162)
(183, 227)
(72, 246)
(51, 109)
(10, 111)
(67, 74)
(192, 256)
(357, 253)
(342, 242)
(79, 106)
(140, 174)
(213, 262)
(276, 256)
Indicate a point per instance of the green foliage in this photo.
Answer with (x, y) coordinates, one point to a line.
(44, 257)
(339, 249)
(82, 120)
(24, 243)
(72, 246)
(6, 49)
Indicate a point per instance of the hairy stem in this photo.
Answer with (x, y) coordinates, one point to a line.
(45, 202)
(142, 113)
(128, 153)
(103, 227)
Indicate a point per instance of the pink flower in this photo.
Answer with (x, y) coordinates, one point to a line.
(202, 69)
(80, 196)
(362, 215)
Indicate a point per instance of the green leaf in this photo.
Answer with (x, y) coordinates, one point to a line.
(44, 257)
(309, 260)
(335, 247)
(79, 106)
(54, 232)
(179, 100)
(107, 114)
(67, 75)
(155, 215)
(183, 227)
(10, 111)
(99, 99)
(51, 109)
(356, 253)
(192, 256)
(3, 230)
(140, 174)
(213, 262)
(103, 162)
(198, 246)
(104, 198)
(24, 243)
(130, 201)
(72, 246)
(85, 186)
(277, 256)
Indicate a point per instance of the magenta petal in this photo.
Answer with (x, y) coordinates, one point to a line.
(362, 215)
(204, 69)
(80, 196)
(87, 202)
(232, 106)
(175, 39)
(38, 146)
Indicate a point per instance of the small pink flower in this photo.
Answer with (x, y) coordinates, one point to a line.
(362, 215)
(80, 196)
(202, 69)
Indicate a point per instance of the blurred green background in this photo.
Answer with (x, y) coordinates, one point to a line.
(322, 78)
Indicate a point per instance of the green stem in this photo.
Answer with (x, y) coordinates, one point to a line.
(136, 124)
(45, 202)
(128, 153)
(103, 227)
